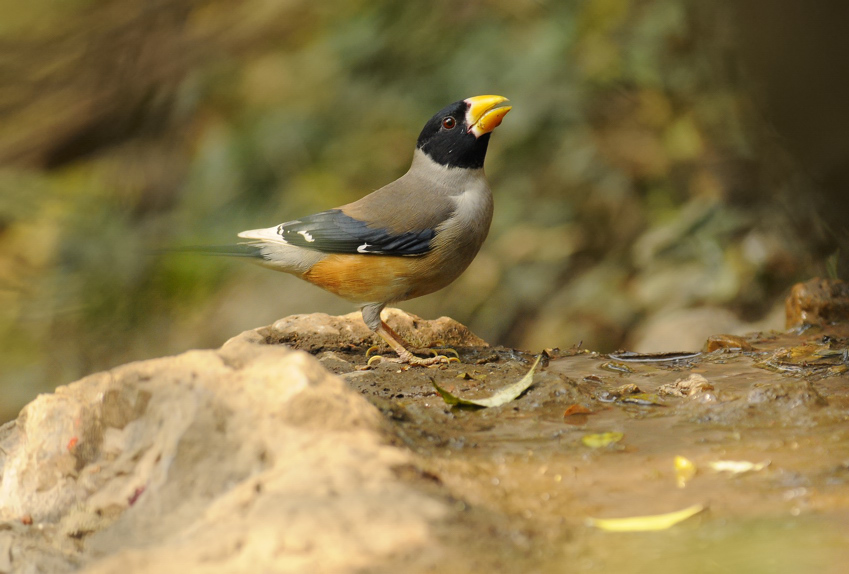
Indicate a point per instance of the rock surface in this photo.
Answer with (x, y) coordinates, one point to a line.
(248, 458)
(818, 302)
(321, 332)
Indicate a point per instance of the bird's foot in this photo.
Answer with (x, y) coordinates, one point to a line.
(405, 355)
(440, 351)
(409, 358)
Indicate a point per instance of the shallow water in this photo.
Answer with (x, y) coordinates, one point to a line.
(523, 482)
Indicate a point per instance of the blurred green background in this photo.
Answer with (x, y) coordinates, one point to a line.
(669, 169)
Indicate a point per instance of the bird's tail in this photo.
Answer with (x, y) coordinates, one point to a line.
(274, 255)
(249, 250)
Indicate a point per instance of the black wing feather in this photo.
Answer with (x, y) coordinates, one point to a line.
(334, 232)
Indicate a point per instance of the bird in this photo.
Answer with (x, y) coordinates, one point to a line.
(409, 238)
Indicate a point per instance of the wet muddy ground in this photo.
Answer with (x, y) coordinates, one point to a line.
(523, 482)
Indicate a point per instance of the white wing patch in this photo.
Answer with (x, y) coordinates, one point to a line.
(363, 248)
(307, 236)
(268, 234)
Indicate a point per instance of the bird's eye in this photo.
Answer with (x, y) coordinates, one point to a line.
(449, 123)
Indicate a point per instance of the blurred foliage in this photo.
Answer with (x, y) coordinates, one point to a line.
(628, 178)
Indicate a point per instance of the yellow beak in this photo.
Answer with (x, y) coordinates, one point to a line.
(483, 115)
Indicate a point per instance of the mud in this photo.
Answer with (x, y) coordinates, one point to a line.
(522, 482)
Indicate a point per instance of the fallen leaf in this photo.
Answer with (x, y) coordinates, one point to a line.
(601, 440)
(730, 342)
(692, 385)
(628, 389)
(616, 367)
(737, 466)
(577, 410)
(620, 393)
(684, 470)
(645, 523)
(503, 396)
(632, 357)
(645, 399)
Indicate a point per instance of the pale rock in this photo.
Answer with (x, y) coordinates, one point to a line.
(251, 458)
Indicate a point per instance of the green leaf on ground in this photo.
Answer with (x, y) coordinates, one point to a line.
(502, 397)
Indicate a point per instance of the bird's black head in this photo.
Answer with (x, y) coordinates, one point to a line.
(458, 135)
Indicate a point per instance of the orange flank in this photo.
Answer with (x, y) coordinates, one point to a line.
(363, 279)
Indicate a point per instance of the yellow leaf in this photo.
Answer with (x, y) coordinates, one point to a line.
(645, 523)
(601, 440)
(737, 466)
(684, 470)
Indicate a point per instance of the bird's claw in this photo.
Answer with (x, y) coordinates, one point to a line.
(372, 349)
(437, 359)
(441, 352)
(413, 360)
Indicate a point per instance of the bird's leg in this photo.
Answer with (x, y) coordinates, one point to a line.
(371, 316)
(404, 354)
(399, 339)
